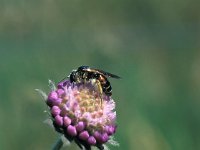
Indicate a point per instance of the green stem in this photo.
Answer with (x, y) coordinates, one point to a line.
(58, 145)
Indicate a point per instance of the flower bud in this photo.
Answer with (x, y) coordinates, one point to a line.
(57, 101)
(60, 92)
(104, 137)
(97, 136)
(109, 130)
(71, 130)
(55, 110)
(80, 126)
(91, 140)
(59, 120)
(67, 121)
(84, 135)
(51, 98)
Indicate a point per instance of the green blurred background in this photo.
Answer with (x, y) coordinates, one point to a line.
(153, 45)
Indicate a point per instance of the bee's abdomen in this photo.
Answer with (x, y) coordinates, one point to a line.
(107, 89)
(105, 84)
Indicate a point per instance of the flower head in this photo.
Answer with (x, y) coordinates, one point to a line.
(80, 113)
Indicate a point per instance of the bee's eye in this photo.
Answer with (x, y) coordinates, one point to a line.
(96, 75)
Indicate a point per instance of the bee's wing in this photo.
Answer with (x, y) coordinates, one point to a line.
(104, 73)
(111, 75)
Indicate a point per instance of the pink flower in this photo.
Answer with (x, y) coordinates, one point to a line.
(81, 114)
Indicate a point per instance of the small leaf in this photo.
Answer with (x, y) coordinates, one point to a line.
(65, 141)
(42, 94)
(106, 147)
(52, 85)
(49, 122)
(113, 142)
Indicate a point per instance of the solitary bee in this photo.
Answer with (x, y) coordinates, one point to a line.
(84, 74)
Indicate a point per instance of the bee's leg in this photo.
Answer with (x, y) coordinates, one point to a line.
(84, 77)
(100, 90)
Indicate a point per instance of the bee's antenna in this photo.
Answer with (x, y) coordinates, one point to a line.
(68, 75)
(65, 78)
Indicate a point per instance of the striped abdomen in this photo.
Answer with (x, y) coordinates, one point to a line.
(105, 84)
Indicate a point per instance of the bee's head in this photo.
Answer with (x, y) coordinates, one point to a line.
(82, 68)
(73, 76)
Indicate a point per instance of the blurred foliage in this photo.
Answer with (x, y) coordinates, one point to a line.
(153, 45)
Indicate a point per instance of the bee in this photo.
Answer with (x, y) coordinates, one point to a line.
(84, 74)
